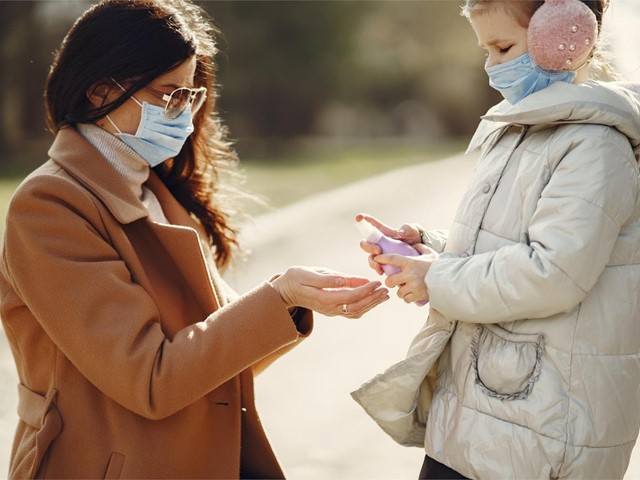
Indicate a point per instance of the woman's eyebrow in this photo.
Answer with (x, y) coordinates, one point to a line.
(175, 85)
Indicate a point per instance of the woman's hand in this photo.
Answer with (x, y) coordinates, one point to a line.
(407, 233)
(329, 293)
(413, 270)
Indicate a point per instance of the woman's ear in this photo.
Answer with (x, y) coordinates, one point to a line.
(99, 93)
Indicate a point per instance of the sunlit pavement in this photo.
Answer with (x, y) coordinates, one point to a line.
(318, 431)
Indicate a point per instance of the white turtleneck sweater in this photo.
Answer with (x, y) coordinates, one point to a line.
(133, 168)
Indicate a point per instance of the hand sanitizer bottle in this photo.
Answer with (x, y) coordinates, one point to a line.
(388, 245)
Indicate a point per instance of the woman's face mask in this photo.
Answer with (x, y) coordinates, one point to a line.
(520, 77)
(157, 138)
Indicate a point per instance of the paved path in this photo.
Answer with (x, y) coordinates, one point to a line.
(318, 431)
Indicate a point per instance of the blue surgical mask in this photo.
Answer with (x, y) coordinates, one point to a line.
(521, 77)
(158, 138)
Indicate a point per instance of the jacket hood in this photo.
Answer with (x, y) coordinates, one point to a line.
(616, 104)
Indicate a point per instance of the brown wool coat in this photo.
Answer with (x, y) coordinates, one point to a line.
(133, 361)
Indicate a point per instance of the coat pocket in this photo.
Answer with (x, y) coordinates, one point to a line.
(40, 424)
(506, 364)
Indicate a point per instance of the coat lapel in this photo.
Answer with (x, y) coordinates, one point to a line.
(83, 162)
(185, 241)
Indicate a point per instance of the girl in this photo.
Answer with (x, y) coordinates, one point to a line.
(135, 359)
(528, 366)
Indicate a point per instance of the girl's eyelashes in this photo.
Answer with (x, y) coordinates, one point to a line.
(496, 49)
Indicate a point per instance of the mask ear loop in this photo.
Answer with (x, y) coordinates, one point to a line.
(124, 90)
(114, 125)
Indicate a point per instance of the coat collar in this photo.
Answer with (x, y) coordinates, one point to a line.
(615, 104)
(82, 161)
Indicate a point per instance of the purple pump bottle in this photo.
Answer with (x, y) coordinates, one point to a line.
(388, 245)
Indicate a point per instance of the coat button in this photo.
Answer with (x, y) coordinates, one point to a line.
(485, 188)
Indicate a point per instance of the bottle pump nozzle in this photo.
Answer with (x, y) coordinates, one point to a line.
(370, 233)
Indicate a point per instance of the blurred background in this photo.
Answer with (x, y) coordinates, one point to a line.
(305, 86)
(317, 95)
(290, 71)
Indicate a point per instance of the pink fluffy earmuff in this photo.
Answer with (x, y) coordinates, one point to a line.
(561, 34)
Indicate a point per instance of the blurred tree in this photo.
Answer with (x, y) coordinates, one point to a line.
(283, 62)
(423, 52)
(15, 23)
(30, 31)
(288, 68)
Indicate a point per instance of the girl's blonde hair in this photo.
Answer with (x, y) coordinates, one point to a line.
(523, 10)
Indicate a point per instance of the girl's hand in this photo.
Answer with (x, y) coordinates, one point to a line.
(407, 233)
(329, 293)
(413, 270)
(373, 250)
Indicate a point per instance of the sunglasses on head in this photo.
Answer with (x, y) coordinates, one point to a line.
(178, 100)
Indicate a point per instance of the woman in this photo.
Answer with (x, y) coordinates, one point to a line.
(135, 359)
(528, 364)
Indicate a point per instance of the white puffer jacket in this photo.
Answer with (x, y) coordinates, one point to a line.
(534, 328)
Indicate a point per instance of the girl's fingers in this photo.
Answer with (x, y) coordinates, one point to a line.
(392, 259)
(386, 229)
(371, 248)
(375, 265)
(405, 294)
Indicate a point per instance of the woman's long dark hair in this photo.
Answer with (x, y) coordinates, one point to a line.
(137, 41)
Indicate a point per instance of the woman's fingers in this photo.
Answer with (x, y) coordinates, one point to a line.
(322, 278)
(330, 293)
(359, 308)
(351, 295)
(351, 302)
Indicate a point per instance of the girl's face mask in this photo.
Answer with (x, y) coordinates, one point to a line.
(520, 77)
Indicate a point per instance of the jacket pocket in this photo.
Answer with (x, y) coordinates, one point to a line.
(40, 424)
(506, 364)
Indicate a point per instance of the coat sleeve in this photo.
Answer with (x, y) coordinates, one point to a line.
(590, 195)
(436, 239)
(301, 317)
(59, 260)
